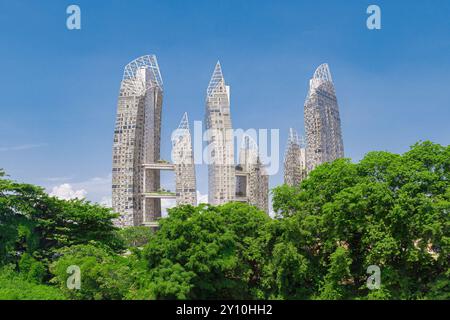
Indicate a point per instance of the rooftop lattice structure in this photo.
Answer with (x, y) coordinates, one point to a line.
(321, 76)
(141, 74)
(184, 123)
(216, 79)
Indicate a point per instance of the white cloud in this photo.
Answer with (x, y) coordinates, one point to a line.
(65, 191)
(201, 198)
(96, 189)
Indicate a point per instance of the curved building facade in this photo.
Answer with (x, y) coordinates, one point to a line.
(322, 120)
(137, 137)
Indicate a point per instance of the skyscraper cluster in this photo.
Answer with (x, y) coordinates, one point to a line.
(136, 185)
(137, 163)
(323, 130)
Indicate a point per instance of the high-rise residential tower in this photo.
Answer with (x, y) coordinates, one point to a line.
(252, 182)
(322, 120)
(294, 159)
(137, 142)
(183, 161)
(221, 171)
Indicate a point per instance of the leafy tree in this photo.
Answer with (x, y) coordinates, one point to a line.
(333, 284)
(135, 236)
(33, 222)
(387, 210)
(14, 287)
(16, 233)
(208, 252)
(167, 281)
(104, 274)
(31, 269)
(287, 266)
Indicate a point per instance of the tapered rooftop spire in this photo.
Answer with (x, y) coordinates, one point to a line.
(184, 124)
(216, 78)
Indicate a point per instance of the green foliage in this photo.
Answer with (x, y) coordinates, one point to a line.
(167, 281)
(286, 266)
(388, 210)
(338, 273)
(31, 269)
(208, 252)
(104, 274)
(33, 222)
(135, 236)
(35, 227)
(14, 287)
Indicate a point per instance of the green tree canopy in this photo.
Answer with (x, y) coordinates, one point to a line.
(208, 252)
(135, 236)
(390, 211)
(35, 223)
(387, 210)
(15, 287)
(104, 274)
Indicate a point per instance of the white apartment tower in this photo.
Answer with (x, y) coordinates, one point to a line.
(294, 159)
(252, 182)
(137, 142)
(322, 120)
(184, 167)
(221, 171)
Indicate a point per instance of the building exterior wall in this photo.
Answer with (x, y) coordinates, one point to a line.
(294, 160)
(322, 120)
(221, 170)
(137, 141)
(183, 160)
(256, 180)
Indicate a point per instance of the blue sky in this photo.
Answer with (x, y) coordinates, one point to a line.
(59, 88)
